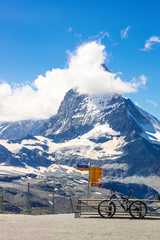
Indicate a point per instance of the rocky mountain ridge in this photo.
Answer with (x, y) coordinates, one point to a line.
(109, 131)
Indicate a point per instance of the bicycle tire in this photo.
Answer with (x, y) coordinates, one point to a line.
(106, 209)
(138, 209)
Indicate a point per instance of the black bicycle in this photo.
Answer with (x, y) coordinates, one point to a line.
(107, 208)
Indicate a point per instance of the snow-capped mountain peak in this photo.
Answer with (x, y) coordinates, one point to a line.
(109, 131)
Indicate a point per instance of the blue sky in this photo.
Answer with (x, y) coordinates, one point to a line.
(36, 36)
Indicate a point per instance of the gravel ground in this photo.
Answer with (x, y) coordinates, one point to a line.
(66, 227)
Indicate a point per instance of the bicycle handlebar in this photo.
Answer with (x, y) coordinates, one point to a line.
(130, 190)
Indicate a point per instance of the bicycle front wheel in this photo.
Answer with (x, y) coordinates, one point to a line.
(138, 209)
(106, 209)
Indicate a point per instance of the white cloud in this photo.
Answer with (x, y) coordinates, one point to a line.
(152, 102)
(150, 42)
(124, 32)
(42, 98)
(140, 82)
(143, 80)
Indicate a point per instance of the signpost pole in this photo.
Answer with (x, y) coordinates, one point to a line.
(53, 201)
(88, 181)
(29, 201)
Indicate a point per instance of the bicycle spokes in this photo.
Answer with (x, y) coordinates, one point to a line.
(138, 209)
(106, 209)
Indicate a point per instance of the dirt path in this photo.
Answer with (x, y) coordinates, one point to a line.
(66, 227)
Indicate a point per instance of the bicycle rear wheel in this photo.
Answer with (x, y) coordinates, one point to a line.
(106, 209)
(138, 209)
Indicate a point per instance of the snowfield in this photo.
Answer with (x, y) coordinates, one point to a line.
(82, 145)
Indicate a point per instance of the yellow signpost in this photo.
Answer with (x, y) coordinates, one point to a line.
(95, 174)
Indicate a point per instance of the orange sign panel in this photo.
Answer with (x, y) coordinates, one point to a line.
(95, 174)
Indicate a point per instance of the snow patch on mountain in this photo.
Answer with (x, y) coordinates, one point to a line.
(53, 170)
(95, 105)
(153, 137)
(151, 130)
(17, 171)
(12, 147)
(86, 146)
(63, 170)
(99, 143)
(122, 166)
(149, 125)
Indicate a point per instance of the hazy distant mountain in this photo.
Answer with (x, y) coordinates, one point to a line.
(19, 129)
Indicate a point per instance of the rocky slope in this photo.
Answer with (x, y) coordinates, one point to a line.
(109, 131)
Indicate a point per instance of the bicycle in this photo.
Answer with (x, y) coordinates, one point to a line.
(107, 208)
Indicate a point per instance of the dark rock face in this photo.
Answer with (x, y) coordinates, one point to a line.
(63, 126)
(33, 158)
(8, 158)
(140, 190)
(74, 118)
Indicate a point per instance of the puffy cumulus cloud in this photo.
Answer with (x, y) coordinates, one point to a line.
(150, 42)
(42, 99)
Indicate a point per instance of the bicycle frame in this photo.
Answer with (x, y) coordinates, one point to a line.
(123, 201)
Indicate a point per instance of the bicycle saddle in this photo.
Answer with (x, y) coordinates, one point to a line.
(112, 190)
